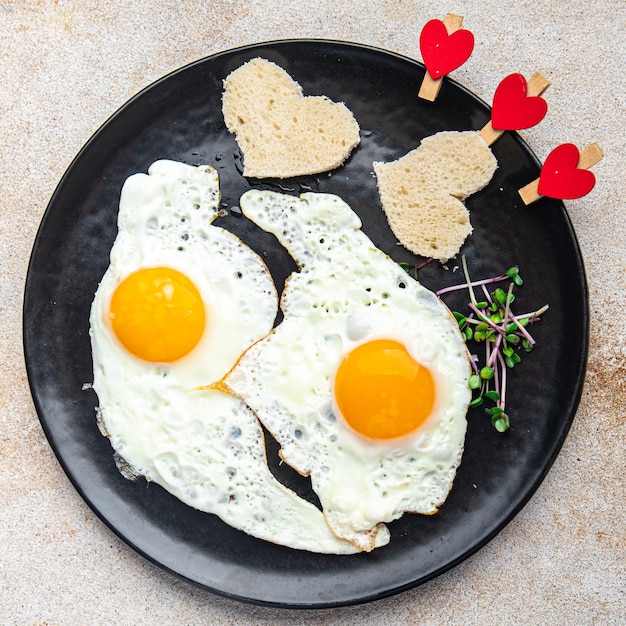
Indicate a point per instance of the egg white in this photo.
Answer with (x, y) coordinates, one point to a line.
(347, 292)
(206, 448)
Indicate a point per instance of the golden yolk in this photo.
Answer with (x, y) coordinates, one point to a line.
(382, 392)
(157, 314)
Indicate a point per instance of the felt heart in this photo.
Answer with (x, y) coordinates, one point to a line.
(561, 178)
(443, 52)
(512, 108)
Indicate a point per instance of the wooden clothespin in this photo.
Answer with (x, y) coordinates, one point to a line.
(516, 105)
(445, 46)
(565, 174)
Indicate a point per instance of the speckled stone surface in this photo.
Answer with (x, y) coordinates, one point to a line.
(66, 66)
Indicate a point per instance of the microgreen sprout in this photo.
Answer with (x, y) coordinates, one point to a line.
(407, 268)
(416, 268)
(492, 323)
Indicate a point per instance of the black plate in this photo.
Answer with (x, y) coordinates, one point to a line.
(179, 117)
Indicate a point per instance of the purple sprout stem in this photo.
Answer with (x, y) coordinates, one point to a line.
(474, 364)
(516, 321)
(496, 377)
(495, 351)
(484, 318)
(419, 266)
(487, 294)
(502, 392)
(534, 316)
(476, 283)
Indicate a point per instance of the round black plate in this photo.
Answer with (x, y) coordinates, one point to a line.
(179, 117)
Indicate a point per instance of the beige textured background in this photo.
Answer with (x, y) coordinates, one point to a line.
(66, 66)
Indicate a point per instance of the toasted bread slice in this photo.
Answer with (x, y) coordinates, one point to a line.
(422, 192)
(281, 132)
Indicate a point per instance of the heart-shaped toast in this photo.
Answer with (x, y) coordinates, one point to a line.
(422, 192)
(281, 132)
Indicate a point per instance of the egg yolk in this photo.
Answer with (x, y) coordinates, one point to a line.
(382, 392)
(157, 314)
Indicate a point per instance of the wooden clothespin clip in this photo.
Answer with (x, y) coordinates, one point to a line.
(445, 46)
(516, 105)
(565, 174)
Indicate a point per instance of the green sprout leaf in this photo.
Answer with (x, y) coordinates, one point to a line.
(499, 295)
(474, 381)
(459, 317)
(496, 317)
(476, 402)
(487, 373)
(495, 410)
(501, 422)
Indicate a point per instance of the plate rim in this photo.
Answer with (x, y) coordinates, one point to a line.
(40, 410)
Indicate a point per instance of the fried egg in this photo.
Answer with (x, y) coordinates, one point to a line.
(179, 303)
(365, 381)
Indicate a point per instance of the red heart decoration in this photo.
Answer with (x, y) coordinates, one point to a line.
(561, 178)
(442, 52)
(512, 109)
